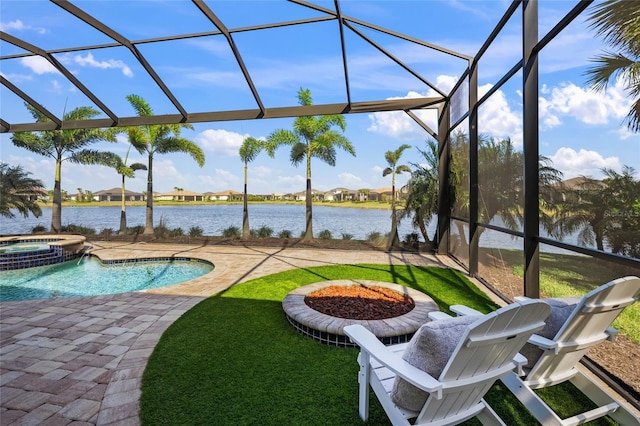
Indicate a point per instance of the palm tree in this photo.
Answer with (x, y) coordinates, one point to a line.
(618, 21)
(158, 139)
(62, 145)
(312, 136)
(394, 168)
(19, 191)
(249, 150)
(422, 190)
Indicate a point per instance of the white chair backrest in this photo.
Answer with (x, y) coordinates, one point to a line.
(484, 354)
(585, 327)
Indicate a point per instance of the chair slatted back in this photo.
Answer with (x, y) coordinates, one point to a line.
(484, 354)
(584, 328)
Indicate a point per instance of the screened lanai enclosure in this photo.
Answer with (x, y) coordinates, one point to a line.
(502, 210)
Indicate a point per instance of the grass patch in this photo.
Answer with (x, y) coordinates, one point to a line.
(234, 358)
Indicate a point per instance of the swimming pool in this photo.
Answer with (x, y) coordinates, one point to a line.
(91, 277)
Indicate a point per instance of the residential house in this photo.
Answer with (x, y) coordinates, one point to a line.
(115, 194)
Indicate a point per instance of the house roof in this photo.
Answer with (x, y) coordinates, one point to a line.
(115, 191)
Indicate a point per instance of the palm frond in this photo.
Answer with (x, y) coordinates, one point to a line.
(175, 144)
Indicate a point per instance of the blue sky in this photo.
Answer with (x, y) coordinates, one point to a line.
(581, 131)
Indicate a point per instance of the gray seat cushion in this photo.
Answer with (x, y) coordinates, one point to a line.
(429, 350)
(561, 308)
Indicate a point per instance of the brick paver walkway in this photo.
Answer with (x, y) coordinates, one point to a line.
(80, 360)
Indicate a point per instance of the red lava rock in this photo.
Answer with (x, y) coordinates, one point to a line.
(359, 302)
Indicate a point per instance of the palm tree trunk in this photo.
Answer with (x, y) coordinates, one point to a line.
(245, 212)
(56, 211)
(148, 227)
(394, 240)
(123, 212)
(308, 233)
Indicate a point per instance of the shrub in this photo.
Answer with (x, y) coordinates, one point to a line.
(78, 229)
(374, 236)
(265, 232)
(412, 238)
(285, 233)
(134, 230)
(107, 233)
(347, 236)
(325, 234)
(231, 232)
(38, 229)
(195, 231)
(176, 232)
(161, 231)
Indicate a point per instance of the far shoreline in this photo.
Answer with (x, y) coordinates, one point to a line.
(346, 204)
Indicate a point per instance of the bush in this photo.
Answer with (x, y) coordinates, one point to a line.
(374, 236)
(325, 234)
(264, 232)
(285, 233)
(195, 231)
(161, 231)
(231, 232)
(134, 230)
(38, 229)
(107, 233)
(412, 238)
(176, 232)
(347, 236)
(78, 229)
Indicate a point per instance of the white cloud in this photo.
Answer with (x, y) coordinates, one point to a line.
(587, 106)
(38, 65)
(350, 180)
(399, 125)
(89, 61)
(220, 141)
(496, 118)
(18, 25)
(377, 169)
(582, 162)
(294, 183)
(56, 87)
(260, 171)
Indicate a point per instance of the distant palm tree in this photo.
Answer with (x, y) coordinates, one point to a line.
(19, 191)
(618, 21)
(249, 150)
(394, 168)
(63, 145)
(158, 139)
(311, 137)
(422, 190)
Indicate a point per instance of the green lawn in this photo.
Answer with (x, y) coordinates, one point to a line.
(234, 358)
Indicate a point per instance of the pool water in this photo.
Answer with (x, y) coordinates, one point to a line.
(22, 247)
(90, 277)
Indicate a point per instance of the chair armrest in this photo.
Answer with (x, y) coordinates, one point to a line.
(612, 333)
(438, 315)
(520, 361)
(370, 345)
(462, 310)
(543, 342)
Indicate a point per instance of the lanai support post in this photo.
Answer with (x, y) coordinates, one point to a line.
(531, 150)
(474, 235)
(444, 165)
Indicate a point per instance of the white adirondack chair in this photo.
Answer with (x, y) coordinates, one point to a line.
(587, 325)
(484, 353)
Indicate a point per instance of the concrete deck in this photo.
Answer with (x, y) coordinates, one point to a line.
(80, 360)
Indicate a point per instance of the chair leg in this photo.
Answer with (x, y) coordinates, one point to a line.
(618, 412)
(363, 384)
(529, 399)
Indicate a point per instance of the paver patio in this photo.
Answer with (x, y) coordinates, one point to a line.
(80, 360)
